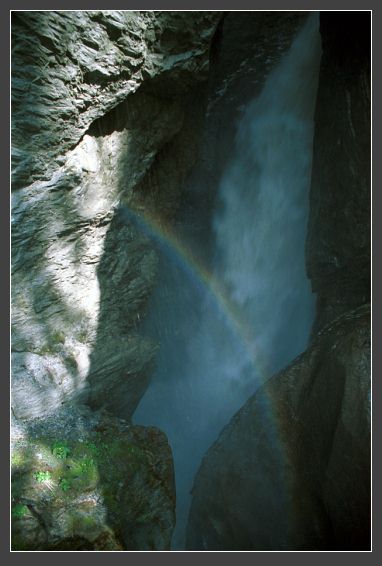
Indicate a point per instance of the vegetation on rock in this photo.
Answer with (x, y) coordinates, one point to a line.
(83, 487)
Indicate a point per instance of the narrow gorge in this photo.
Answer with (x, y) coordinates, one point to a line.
(190, 280)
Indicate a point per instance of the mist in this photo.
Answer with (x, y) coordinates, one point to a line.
(226, 327)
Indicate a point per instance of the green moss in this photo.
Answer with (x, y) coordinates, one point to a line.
(99, 449)
(106, 461)
(57, 337)
(56, 340)
(82, 473)
(17, 458)
(60, 450)
(19, 511)
(45, 349)
(65, 484)
(42, 476)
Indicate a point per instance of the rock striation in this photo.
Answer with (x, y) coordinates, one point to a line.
(70, 68)
(81, 273)
(291, 471)
(107, 108)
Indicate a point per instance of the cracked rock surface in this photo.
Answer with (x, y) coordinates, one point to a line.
(81, 271)
(70, 68)
(107, 108)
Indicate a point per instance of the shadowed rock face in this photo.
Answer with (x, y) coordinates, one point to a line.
(338, 245)
(106, 115)
(81, 275)
(291, 471)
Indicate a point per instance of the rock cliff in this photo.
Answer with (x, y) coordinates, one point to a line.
(70, 68)
(109, 111)
(106, 112)
(338, 245)
(291, 471)
(73, 321)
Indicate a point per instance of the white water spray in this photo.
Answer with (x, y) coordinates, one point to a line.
(261, 229)
(204, 369)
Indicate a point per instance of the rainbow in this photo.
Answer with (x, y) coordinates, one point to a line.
(156, 229)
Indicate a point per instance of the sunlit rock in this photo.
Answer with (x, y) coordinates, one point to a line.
(81, 277)
(84, 481)
(106, 116)
(70, 68)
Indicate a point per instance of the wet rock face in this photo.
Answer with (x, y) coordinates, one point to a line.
(107, 115)
(291, 471)
(246, 47)
(88, 481)
(82, 272)
(338, 245)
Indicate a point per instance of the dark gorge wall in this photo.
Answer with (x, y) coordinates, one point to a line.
(245, 48)
(291, 471)
(338, 246)
(110, 113)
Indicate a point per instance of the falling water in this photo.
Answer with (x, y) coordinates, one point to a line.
(207, 365)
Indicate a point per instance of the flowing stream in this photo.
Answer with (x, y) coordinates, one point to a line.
(224, 330)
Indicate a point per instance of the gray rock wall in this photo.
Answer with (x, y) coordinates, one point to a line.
(291, 471)
(81, 277)
(106, 117)
(70, 68)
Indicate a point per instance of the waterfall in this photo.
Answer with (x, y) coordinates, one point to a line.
(216, 351)
(261, 228)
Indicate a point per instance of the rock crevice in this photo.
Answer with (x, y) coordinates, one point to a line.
(291, 471)
(110, 110)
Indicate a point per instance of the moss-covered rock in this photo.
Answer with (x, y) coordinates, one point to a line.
(110, 489)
